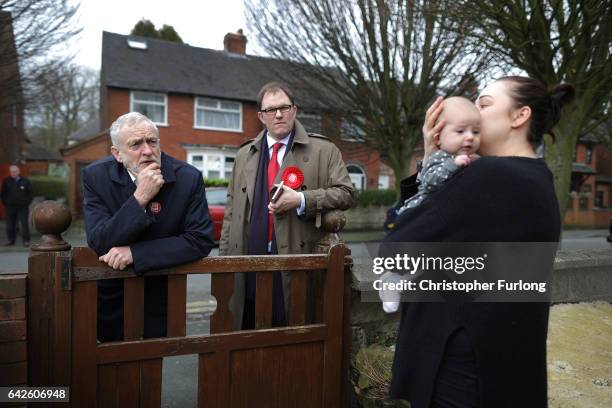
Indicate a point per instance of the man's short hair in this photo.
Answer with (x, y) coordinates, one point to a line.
(273, 87)
(128, 120)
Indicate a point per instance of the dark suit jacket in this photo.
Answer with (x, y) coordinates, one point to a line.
(496, 199)
(180, 232)
(16, 193)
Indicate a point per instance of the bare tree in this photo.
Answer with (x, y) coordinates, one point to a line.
(554, 41)
(38, 26)
(379, 63)
(66, 97)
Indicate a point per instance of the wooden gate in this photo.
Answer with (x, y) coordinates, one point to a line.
(302, 365)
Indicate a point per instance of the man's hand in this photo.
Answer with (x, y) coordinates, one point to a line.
(288, 200)
(118, 257)
(148, 184)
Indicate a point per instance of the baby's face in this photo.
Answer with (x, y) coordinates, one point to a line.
(461, 133)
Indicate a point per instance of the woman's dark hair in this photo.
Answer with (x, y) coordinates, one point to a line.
(545, 104)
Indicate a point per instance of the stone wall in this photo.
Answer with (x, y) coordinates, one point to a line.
(365, 218)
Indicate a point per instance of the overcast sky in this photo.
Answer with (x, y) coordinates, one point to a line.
(200, 23)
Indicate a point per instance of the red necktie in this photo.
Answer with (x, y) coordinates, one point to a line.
(273, 169)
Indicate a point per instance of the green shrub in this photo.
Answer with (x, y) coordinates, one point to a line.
(215, 182)
(375, 197)
(49, 187)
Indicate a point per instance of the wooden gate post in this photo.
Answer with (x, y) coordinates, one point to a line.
(49, 298)
(332, 223)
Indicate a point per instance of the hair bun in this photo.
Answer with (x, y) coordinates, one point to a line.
(563, 94)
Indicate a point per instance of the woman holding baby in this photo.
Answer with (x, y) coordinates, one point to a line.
(480, 354)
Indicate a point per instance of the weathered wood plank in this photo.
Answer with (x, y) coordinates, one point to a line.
(40, 312)
(62, 324)
(128, 385)
(13, 352)
(263, 300)
(177, 305)
(84, 371)
(12, 286)
(151, 383)
(168, 347)
(332, 317)
(13, 309)
(222, 288)
(297, 308)
(133, 308)
(107, 386)
(85, 270)
(214, 380)
(12, 330)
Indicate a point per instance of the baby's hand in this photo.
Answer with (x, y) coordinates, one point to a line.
(474, 156)
(462, 160)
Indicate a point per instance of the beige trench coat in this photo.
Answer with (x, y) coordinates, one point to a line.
(326, 186)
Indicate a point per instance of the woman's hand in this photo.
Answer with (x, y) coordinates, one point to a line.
(430, 128)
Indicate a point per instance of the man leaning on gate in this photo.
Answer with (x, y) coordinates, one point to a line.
(145, 209)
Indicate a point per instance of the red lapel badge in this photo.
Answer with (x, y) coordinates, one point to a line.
(293, 177)
(156, 207)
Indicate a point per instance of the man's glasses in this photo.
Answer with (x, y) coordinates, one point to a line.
(272, 111)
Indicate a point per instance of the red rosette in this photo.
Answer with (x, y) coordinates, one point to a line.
(293, 177)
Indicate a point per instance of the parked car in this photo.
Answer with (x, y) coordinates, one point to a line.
(217, 199)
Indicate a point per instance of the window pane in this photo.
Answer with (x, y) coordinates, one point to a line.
(208, 103)
(199, 117)
(156, 113)
(230, 105)
(221, 120)
(213, 166)
(149, 96)
(229, 167)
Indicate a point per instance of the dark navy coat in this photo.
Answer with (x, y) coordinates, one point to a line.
(174, 228)
(495, 199)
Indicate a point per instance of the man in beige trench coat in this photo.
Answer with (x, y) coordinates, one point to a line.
(296, 215)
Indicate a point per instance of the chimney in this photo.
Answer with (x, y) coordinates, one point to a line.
(235, 42)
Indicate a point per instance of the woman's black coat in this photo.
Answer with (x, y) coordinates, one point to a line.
(496, 199)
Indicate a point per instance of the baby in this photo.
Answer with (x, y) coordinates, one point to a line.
(458, 142)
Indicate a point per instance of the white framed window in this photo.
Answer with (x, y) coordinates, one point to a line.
(383, 182)
(214, 164)
(151, 104)
(217, 114)
(357, 176)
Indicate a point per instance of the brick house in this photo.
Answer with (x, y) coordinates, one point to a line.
(590, 202)
(204, 103)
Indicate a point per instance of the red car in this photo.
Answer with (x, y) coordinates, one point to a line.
(216, 198)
